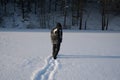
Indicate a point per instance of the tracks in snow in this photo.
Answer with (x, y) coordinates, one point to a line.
(48, 71)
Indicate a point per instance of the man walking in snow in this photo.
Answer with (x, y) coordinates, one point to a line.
(56, 37)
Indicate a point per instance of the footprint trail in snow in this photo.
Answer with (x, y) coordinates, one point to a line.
(48, 71)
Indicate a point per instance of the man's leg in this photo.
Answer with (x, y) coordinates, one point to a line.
(57, 50)
(54, 50)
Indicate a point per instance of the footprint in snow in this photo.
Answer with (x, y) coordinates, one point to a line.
(48, 71)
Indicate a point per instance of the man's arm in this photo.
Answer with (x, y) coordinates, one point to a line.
(60, 34)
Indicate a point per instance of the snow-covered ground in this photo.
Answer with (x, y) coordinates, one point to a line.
(84, 55)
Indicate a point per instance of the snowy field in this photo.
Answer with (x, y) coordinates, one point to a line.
(85, 55)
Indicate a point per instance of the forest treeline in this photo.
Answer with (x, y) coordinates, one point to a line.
(46, 10)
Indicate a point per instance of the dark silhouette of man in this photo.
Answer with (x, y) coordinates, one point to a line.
(56, 37)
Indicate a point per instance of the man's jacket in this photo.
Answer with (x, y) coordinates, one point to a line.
(56, 35)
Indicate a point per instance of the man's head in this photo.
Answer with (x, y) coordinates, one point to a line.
(59, 25)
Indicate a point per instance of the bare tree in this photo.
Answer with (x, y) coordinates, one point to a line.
(14, 5)
(49, 6)
(105, 15)
(5, 6)
(42, 14)
(22, 8)
(56, 1)
(35, 6)
(29, 4)
(65, 12)
(81, 13)
(75, 12)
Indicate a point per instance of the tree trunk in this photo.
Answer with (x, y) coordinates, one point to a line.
(105, 14)
(35, 7)
(23, 11)
(55, 5)
(29, 5)
(65, 13)
(14, 5)
(49, 11)
(42, 14)
(81, 14)
(5, 6)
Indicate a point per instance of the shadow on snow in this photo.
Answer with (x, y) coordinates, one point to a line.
(87, 56)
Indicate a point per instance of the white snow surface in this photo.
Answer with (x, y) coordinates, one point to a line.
(84, 55)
